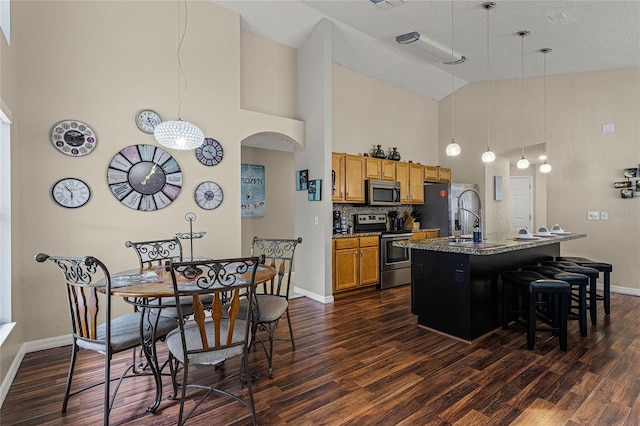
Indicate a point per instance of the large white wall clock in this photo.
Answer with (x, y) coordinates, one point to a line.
(144, 177)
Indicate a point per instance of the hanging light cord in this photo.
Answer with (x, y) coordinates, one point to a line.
(181, 73)
(523, 33)
(488, 91)
(453, 96)
(544, 81)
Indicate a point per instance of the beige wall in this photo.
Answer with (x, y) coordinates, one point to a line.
(585, 161)
(367, 112)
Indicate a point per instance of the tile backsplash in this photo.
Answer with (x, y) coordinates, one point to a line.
(348, 210)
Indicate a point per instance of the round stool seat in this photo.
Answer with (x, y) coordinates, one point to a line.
(574, 267)
(547, 286)
(583, 261)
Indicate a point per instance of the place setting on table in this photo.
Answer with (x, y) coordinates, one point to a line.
(543, 232)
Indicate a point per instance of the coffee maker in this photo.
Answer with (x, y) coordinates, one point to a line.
(339, 223)
(396, 223)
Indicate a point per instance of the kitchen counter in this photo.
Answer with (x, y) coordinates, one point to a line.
(378, 233)
(456, 287)
(492, 244)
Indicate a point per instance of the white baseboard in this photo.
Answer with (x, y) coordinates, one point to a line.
(314, 296)
(621, 290)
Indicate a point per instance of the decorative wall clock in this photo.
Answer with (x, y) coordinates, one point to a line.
(73, 137)
(210, 152)
(208, 195)
(144, 177)
(70, 193)
(147, 120)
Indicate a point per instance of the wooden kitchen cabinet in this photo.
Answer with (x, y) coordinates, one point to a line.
(437, 174)
(422, 235)
(356, 262)
(411, 178)
(348, 173)
(378, 168)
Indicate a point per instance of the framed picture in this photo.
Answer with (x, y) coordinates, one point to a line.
(619, 185)
(626, 193)
(631, 172)
(252, 198)
(315, 190)
(302, 177)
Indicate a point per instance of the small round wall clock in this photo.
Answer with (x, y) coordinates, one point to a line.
(73, 137)
(210, 152)
(147, 120)
(70, 193)
(208, 195)
(144, 177)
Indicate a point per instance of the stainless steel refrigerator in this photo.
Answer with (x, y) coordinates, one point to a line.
(440, 209)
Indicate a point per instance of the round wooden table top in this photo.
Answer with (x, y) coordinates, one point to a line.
(138, 284)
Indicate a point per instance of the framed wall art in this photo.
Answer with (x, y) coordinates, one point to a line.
(302, 177)
(252, 185)
(315, 190)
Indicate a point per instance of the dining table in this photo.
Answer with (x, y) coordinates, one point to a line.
(146, 290)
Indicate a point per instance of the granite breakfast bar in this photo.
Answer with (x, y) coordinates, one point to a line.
(455, 286)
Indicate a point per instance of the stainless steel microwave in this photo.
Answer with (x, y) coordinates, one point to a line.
(382, 192)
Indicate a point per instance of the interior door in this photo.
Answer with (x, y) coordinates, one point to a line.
(521, 202)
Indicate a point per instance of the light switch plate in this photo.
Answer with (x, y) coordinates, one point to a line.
(593, 216)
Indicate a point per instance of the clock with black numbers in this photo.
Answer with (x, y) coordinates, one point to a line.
(73, 138)
(210, 152)
(144, 177)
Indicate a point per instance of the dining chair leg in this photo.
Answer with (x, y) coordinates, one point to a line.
(293, 343)
(72, 364)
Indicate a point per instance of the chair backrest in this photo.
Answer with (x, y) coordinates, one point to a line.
(84, 276)
(278, 252)
(155, 253)
(227, 280)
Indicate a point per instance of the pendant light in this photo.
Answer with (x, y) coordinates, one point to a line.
(488, 156)
(545, 167)
(453, 149)
(179, 134)
(522, 163)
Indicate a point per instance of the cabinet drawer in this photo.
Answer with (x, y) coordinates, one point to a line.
(368, 241)
(419, 235)
(346, 243)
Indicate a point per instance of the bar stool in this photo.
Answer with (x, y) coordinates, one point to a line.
(542, 298)
(592, 273)
(605, 268)
(579, 282)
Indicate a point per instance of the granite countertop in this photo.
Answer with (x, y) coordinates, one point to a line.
(371, 234)
(492, 244)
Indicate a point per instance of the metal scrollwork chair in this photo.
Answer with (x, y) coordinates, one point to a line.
(93, 326)
(209, 341)
(273, 298)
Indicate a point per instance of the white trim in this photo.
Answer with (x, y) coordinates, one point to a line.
(622, 290)
(49, 343)
(314, 296)
(11, 374)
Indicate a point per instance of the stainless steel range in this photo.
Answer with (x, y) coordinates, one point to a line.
(395, 262)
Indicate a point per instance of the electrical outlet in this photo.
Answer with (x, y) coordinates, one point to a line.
(604, 215)
(593, 215)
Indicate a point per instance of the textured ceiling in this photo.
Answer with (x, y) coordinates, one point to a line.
(584, 36)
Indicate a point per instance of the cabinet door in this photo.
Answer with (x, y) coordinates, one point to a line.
(347, 269)
(369, 265)
(388, 170)
(402, 176)
(337, 176)
(374, 168)
(444, 175)
(416, 183)
(354, 178)
(431, 173)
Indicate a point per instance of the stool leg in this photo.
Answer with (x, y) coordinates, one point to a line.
(531, 323)
(506, 304)
(564, 306)
(607, 293)
(582, 296)
(592, 300)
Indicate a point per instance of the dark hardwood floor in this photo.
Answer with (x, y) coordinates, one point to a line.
(362, 360)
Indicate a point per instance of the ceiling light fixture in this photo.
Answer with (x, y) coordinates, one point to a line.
(522, 163)
(431, 48)
(179, 134)
(453, 149)
(545, 167)
(488, 156)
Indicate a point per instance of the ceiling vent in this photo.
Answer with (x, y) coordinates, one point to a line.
(387, 4)
(431, 48)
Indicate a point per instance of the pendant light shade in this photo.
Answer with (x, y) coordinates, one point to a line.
(453, 149)
(545, 167)
(488, 156)
(178, 134)
(522, 163)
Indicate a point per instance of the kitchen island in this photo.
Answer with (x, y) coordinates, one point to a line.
(455, 285)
